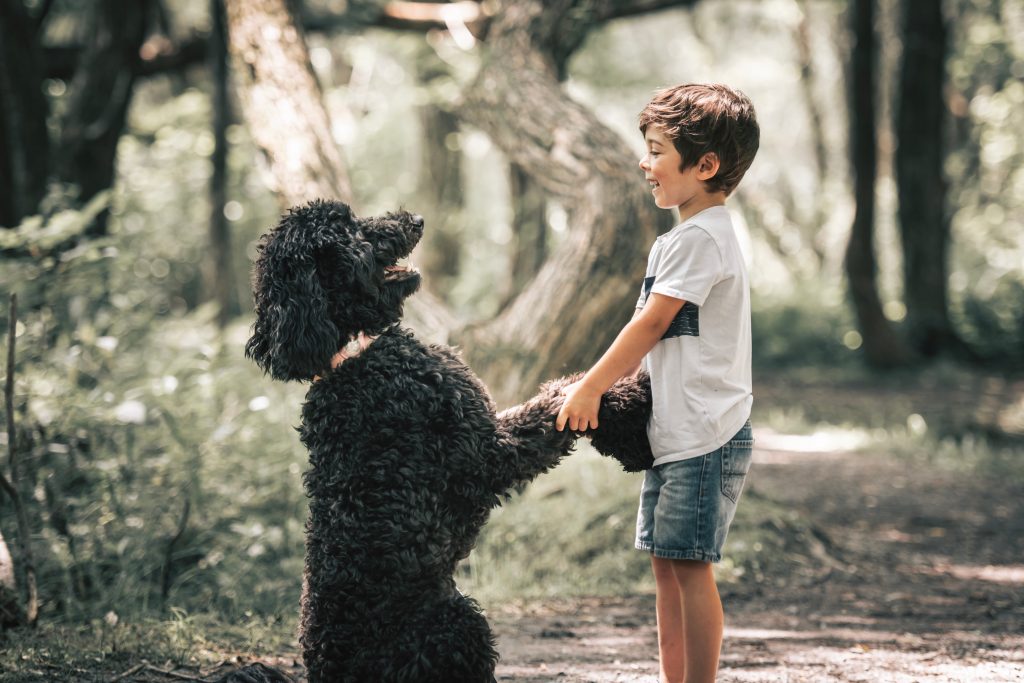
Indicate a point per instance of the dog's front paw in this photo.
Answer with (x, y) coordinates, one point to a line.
(622, 419)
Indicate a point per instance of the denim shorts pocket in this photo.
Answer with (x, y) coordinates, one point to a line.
(736, 458)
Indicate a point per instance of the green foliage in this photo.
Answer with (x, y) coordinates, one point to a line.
(569, 533)
(38, 236)
(986, 171)
(808, 328)
(995, 326)
(125, 417)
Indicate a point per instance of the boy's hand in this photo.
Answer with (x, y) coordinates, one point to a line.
(580, 408)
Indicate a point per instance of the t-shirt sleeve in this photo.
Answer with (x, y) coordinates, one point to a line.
(690, 265)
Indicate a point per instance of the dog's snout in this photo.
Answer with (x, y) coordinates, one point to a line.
(417, 220)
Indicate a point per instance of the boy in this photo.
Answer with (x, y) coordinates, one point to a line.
(692, 330)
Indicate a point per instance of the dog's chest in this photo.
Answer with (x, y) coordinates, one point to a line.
(396, 398)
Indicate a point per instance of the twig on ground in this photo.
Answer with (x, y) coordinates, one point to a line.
(165, 579)
(134, 670)
(174, 674)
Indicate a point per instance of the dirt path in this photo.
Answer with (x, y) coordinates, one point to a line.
(923, 580)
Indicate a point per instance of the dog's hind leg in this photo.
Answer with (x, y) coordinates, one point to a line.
(446, 642)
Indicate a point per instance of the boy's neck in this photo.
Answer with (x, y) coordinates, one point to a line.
(704, 200)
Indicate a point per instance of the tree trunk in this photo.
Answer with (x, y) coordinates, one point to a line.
(439, 255)
(220, 276)
(821, 205)
(98, 98)
(924, 221)
(24, 139)
(882, 347)
(283, 104)
(12, 487)
(529, 231)
(586, 291)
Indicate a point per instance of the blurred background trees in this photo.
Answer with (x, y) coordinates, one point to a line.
(147, 145)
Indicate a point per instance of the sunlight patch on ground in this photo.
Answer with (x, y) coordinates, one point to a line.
(1005, 574)
(851, 635)
(888, 661)
(830, 440)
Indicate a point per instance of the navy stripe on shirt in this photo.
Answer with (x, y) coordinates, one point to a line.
(687, 320)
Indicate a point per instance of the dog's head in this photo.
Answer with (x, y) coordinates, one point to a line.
(323, 276)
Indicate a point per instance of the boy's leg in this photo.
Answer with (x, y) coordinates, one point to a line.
(669, 607)
(702, 619)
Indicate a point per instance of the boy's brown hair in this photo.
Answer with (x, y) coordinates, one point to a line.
(701, 118)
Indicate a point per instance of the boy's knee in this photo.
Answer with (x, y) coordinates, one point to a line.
(688, 571)
(662, 568)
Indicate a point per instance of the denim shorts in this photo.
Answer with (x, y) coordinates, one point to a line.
(686, 506)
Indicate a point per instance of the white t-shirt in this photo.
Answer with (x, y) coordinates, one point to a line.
(700, 369)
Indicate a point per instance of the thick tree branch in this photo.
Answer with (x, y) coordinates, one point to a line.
(587, 289)
(158, 56)
(60, 61)
(283, 103)
(620, 9)
(43, 12)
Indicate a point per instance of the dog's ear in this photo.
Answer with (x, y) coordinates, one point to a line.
(293, 337)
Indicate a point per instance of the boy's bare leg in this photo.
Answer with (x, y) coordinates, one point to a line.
(703, 620)
(669, 607)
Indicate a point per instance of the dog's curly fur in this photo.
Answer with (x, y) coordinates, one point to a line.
(407, 454)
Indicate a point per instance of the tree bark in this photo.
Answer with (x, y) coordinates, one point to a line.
(24, 139)
(220, 274)
(921, 185)
(283, 103)
(440, 254)
(586, 291)
(98, 98)
(821, 205)
(529, 231)
(882, 347)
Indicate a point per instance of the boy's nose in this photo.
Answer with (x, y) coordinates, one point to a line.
(643, 162)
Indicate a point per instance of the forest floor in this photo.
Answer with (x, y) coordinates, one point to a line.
(913, 570)
(921, 579)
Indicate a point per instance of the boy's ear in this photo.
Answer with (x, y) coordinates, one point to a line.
(707, 166)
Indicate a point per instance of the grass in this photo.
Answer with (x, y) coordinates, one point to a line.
(104, 648)
(568, 533)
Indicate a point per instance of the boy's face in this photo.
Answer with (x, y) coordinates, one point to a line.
(670, 186)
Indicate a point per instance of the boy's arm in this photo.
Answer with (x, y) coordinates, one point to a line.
(583, 399)
(635, 370)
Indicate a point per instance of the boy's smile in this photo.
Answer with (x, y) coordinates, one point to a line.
(670, 186)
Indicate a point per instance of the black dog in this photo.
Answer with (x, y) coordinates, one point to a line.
(407, 455)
